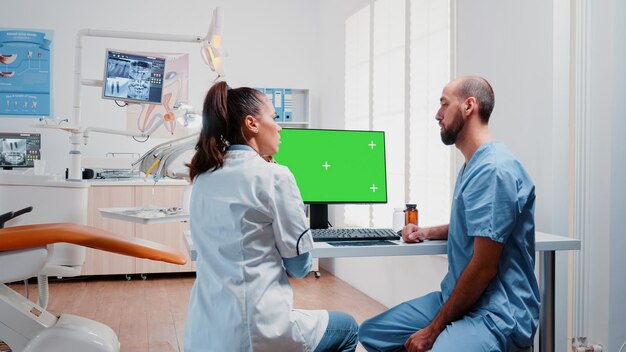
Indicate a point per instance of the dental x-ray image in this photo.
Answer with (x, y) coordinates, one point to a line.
(13, 151)
(116, 84)
(134, 76)
(128, 79)
(118, 68)
(139, 85)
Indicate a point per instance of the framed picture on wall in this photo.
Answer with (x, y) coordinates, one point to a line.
(25, 72)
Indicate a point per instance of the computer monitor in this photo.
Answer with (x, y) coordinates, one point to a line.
(19, 149)
(133, 77)
(335, 167)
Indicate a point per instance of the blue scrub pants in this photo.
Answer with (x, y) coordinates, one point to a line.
(390, 330)
(340, 335)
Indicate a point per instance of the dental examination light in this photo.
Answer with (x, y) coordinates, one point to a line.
(212, 50)
(212, 54)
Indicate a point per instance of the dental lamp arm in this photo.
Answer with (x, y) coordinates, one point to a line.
(144, 134)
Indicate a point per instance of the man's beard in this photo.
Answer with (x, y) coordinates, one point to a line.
(449, 135)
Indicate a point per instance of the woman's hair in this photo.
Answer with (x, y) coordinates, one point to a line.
(223, 113)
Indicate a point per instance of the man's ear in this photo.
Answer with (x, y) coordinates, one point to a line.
(469, 106)
(251, 124)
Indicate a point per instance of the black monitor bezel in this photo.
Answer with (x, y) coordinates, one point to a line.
(150, 56)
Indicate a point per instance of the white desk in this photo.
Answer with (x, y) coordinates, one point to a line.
(545, 243)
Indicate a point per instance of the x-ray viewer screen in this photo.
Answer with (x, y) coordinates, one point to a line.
(19, 149)
(336, 166)
(133, 77)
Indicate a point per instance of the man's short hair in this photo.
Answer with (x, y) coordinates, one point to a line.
(480, 89)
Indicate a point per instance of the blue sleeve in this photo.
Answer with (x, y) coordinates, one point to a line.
(491, 204)
(298, 266)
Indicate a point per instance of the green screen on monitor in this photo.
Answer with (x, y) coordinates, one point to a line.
(336, 166)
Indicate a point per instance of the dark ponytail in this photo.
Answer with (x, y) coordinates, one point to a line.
(223, 113)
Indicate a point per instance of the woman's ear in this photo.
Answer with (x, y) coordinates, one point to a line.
(251, 124)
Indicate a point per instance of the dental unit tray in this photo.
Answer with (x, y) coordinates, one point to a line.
(146, 214)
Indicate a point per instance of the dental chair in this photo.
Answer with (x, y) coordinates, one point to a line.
(24, 251)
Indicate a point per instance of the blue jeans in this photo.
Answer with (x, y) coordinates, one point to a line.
(340, 335)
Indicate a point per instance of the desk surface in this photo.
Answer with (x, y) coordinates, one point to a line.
(543, 242)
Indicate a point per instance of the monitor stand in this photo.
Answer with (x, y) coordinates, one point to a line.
(318, 216)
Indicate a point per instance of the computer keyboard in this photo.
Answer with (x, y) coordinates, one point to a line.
(357, 234)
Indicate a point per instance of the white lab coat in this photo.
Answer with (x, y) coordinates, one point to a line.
(245, 217)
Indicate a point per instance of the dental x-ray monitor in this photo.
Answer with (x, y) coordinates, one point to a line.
(19, 150)
(335, 167)
(133, 77)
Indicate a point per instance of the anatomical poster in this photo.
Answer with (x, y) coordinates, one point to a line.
(145, 117)
(25, 62)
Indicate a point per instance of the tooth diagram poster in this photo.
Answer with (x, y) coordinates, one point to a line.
(25, 82)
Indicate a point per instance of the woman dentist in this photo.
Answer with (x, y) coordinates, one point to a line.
(248, 223)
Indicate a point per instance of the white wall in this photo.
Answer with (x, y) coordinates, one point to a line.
(607, 83)
(270, 43)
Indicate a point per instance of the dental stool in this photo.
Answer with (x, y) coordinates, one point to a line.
(26, 326)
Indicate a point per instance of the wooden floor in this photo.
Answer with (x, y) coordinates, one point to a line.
(149, 316)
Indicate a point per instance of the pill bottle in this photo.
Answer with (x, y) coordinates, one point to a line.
(410, 214)
(398, 219)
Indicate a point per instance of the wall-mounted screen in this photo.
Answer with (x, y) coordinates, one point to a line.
(133, 77)
(19, 149)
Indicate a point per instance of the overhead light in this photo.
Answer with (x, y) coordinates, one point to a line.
(212, 50)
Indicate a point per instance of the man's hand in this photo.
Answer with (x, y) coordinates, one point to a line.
(422, 340)
(413, 233)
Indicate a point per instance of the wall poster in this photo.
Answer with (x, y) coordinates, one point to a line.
(25, 83)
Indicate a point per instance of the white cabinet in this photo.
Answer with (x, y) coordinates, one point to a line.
(292, 105)
(301, 108)
(118, 196)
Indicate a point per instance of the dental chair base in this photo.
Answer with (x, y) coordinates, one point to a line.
(34, 329)
(24, 252)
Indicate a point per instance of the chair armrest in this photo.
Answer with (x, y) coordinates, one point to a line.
(29, 236)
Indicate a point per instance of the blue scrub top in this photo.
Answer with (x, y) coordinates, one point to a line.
(494, 197)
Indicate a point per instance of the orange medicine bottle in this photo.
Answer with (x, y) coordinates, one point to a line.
(410, 214)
